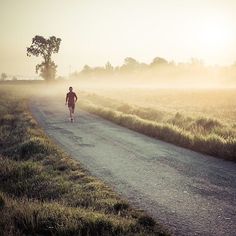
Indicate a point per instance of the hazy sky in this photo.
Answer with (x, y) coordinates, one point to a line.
(96, 31)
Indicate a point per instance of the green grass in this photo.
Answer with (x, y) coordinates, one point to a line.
(44, 192)
(202, 133)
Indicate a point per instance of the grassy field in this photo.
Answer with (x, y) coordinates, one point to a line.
(201, 120)
(44, 192)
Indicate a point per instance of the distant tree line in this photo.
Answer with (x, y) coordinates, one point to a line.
(4, 77)
(130, 65)
(14, 77)
(158, 69)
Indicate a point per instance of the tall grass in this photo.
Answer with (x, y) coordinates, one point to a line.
(45, 192)
(202, 134)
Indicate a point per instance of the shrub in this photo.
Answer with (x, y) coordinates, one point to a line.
(29, 148)
(26, 179)
(34, 146)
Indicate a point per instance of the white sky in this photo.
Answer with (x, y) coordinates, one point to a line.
(96, 31)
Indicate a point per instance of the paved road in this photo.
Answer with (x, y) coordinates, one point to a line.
(191, 194)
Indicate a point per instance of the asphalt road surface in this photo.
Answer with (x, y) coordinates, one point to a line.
(189, 193)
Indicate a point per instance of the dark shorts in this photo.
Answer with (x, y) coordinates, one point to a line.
(72, 105)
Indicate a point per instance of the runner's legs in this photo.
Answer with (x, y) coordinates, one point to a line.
(71, 113)
(71, 109)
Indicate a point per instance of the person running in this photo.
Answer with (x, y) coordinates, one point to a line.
(71, 99)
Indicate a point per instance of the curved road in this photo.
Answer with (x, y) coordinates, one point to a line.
(189, 193)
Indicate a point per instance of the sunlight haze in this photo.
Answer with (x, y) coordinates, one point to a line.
(94, 32)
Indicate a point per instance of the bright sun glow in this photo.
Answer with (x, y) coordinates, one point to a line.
(215, 37)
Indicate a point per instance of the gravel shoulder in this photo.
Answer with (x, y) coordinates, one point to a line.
(189, 193)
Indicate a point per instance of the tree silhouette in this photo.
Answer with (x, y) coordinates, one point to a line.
(129, 61)
(109, 67)
(159, 61)
(129, 65)
(86, 70)
(3, 76)
(45, 48)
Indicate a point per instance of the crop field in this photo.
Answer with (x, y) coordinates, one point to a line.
(201, 120)
(216, 104)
